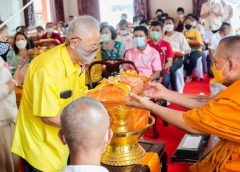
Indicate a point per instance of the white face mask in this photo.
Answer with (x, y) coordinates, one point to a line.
(40, 33)
(86, 57)
(49, 30)
(181, 15)
(194, 23)
(124, 32)
(168, 27)
(21, 44)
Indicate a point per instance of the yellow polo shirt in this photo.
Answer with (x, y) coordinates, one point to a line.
(51, 83)
(194, 35)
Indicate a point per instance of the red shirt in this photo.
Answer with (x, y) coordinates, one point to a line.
(54, 36)
(164, 48)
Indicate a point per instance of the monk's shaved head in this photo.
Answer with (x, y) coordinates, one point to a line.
(229, 47)
(85, 123)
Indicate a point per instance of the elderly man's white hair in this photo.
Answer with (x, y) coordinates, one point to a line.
(85, 123)
(82, 25)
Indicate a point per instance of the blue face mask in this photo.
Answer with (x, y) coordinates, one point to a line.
(105, 37)
(4, 47)
(136, 23)
(139, 41)
(156, 35)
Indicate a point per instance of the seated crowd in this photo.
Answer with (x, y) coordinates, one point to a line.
(160, 48)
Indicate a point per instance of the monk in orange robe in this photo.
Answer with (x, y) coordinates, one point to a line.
(218, 115)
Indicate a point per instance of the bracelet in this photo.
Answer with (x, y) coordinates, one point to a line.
(15, 82)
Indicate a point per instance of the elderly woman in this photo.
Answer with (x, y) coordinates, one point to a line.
(8, 108)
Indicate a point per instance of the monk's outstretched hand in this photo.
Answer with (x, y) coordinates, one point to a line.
(155, 90)
(139, 102)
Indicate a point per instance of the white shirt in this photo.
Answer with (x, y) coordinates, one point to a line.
(212, 22)
(227, 9)
(84, 168)
(201, 29)
(8, 106)
(178, 42)
(214, 41)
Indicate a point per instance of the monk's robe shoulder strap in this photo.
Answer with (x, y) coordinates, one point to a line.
(232, 92)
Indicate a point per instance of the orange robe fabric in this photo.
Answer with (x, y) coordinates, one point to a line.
(219, 117)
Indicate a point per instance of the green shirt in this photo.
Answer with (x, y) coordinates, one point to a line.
(115, 53)
(14, 60)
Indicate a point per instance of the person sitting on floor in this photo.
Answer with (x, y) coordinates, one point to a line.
(164, 49)
(217, 115)
(50, 34)
(86, 145)
(40, 32)
(146, 59)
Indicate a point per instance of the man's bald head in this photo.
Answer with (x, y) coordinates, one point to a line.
(229, 47)
(85, 123)
(227, 60)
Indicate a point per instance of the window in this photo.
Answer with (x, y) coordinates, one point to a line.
(42, 11)
(110, 11)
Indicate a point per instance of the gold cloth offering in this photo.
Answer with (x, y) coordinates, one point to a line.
(127, 123)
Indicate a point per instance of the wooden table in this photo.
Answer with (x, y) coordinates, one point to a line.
(149, 146)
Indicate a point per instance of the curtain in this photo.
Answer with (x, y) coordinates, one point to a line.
(89, 7)
(142, 7)
(197, 5)
(29, 15)
(59, 11)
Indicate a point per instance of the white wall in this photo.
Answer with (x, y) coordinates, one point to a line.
(11, 7)
(70, 8)
(170, 6)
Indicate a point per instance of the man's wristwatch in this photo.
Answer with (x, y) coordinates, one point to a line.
(15, 82)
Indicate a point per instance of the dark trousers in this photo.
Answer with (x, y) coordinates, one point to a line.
(175, 66)
(190, 62)
(209, 65)
(166, 80)
(28, 168)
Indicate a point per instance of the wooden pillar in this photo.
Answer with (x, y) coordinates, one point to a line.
(142, 7)
(89, 7)
(59, 11)
(29, 15)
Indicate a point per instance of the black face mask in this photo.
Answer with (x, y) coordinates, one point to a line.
(188, 26)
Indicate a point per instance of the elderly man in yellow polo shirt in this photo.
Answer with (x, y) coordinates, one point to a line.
(54, 79)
